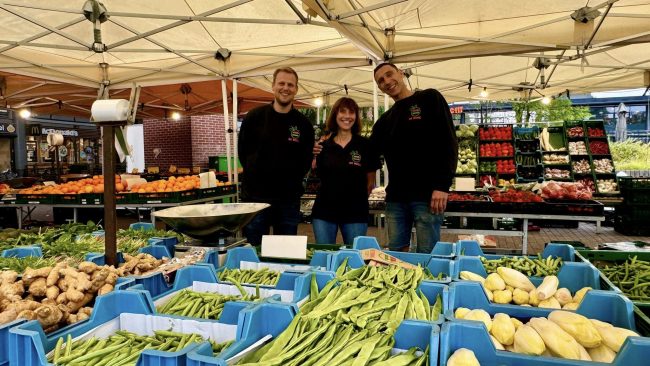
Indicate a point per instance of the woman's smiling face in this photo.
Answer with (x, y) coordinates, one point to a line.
(345, 119)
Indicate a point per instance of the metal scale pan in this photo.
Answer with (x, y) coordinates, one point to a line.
(210, 222)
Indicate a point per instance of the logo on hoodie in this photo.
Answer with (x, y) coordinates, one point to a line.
(294, 134)
(355, 158)
(416, 113)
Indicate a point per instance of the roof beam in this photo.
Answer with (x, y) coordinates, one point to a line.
(88, 81)
(266, 64)
(175, 24)
(43, 34)
(368, 9)
(23, 90)
(303, 19)
(155, 71)
(599, 73)
(361, 43)
(50, 28)
(160, 44)
(600, 23)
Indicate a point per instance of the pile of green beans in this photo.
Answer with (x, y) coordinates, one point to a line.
(530, 267)
(262, 276)
(351, 321)
(323, 342)
(122, 348)
(201, 304)
(632, 277)
(429, 276)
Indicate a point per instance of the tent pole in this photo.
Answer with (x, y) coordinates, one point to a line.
(235, 112)
(226, 119)
(375, 117)
(110, 216)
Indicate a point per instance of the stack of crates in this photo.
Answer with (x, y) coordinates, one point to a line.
(632, 216)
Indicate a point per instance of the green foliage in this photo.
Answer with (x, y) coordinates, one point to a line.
(560, 109)
(630, 155)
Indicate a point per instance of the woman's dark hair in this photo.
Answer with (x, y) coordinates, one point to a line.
(349, 104)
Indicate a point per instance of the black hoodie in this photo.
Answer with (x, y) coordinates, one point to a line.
(275, 150)
(416, 136)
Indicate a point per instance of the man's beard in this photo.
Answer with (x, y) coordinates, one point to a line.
(283, 104)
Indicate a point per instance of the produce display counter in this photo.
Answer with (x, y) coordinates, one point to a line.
(523, 233)
(24, 210)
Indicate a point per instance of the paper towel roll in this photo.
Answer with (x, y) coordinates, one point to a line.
(110, 110)
(55, 139)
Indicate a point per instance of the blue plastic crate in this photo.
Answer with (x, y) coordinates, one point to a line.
(272, 319)
(444, 249)
(572, 275)
(169, 243)
(22, 252)
(607, 306)
(154, 283)
(158, 251)
(473, 248)
(4, 339)
(255, 324)
(248, 254)
(365, 242)
(147, 226)
(440, 249)
(28, 345)
(474, 336)
(434, 265)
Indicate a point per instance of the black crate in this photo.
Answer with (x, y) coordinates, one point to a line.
(633, 183)
(479, 203)
(625, 225)
(91, 198)
(634, 212)
(574, 207)
(34, 198)
(639, 196)
(163, 197)
(66, 199)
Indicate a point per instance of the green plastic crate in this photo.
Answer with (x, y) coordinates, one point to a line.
(641, 319)
(596, 257)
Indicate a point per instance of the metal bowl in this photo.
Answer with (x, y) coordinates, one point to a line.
(205, 220)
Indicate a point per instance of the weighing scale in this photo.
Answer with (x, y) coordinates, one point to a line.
(210, 226)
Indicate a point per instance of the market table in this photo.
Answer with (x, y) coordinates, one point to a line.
(523, 233)
(29, 207)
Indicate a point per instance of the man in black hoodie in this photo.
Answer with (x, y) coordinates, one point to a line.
(275, 150)
(417, 139)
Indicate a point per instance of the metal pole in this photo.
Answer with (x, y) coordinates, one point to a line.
(226, 119)
(318, 116)
(375, 117)
(110, 216)
(235, 111)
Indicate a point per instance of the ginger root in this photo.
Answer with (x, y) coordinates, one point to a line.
(30, 275)
(8, 277)
(105, 289)
(88, 267)
(52, 293)
(49, 315)
(55, 274)
(38, 287)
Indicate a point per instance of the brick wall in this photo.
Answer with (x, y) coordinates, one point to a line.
(173, 138)
(208, 138)
(185, 143)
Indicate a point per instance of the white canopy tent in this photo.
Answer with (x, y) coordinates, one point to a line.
(512, 48)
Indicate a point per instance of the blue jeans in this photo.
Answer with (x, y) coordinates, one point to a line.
(284, 217)
(401, 216)
(325, 231)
